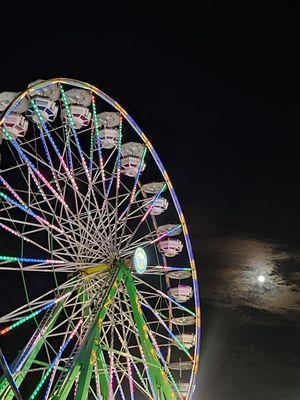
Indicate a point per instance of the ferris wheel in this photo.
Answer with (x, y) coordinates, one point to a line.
(98, 284)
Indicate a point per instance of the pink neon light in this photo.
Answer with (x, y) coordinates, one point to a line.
(68, 172)
(111, 377)
(129, 371)
(8, 229)
(11, 190)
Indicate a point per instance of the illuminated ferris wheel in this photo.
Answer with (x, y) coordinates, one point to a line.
(98, 285)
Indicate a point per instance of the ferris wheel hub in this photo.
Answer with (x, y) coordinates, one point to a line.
(96, 269)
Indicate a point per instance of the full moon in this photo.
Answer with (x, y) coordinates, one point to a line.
(261, 279)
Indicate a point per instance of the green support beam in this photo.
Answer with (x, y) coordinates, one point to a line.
(103, 374)
(88, 354)
(6, 393)
(87, 360)
(161, 386)
(92, 353)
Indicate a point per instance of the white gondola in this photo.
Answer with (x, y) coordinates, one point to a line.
(50, 91)
(181, 293)
(152, 187)
(170, 247)
(187, 320)
(47, 108)
(181, 365)
(179, 274)
(131, 158)
(109, 137)
(78, 101)
(169, 227)
(187, 339)
(7, 97)
(108, 119)
(157, 207)
(130, 166)
(81, 116)
(16, 125)
(81, 97)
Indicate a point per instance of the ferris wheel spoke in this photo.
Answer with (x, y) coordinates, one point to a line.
(34, 172)
(108, 216)
(31, 305)
(68, 223)
(71, 123)
(161, 320)
(45, 129)
(144, 215)
(67, 209)
(143, 242)
(14, 203)
(91, 221)
(24, 236)
(42, 270)
(172, 338)
(145, 376)
(69, 286)
(121, 224)
(49, 159)
(59, 177)
(67, 146)
(98, 142)
(151, 242)
(54, 362)
(132, 196)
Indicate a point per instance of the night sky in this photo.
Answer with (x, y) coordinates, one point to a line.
(217, 91)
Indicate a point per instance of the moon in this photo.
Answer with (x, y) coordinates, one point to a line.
(261, 279)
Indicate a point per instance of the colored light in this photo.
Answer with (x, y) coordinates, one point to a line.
(54, 362)
(167, 233)
(141, 164)
(32, 169)
(28, 211)
(129, 372)
(119, 385)
(32, 315)
(111, 376)
(163, 360)
(136, 180)
(71, 121)
(99, 147)
(12, 191)
(37, 111)
(12, 231)
(31, 260)
(181, 345)
(152, 202)
(119, 153)
(48, 157)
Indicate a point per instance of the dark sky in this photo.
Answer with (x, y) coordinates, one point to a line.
(217, 90)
